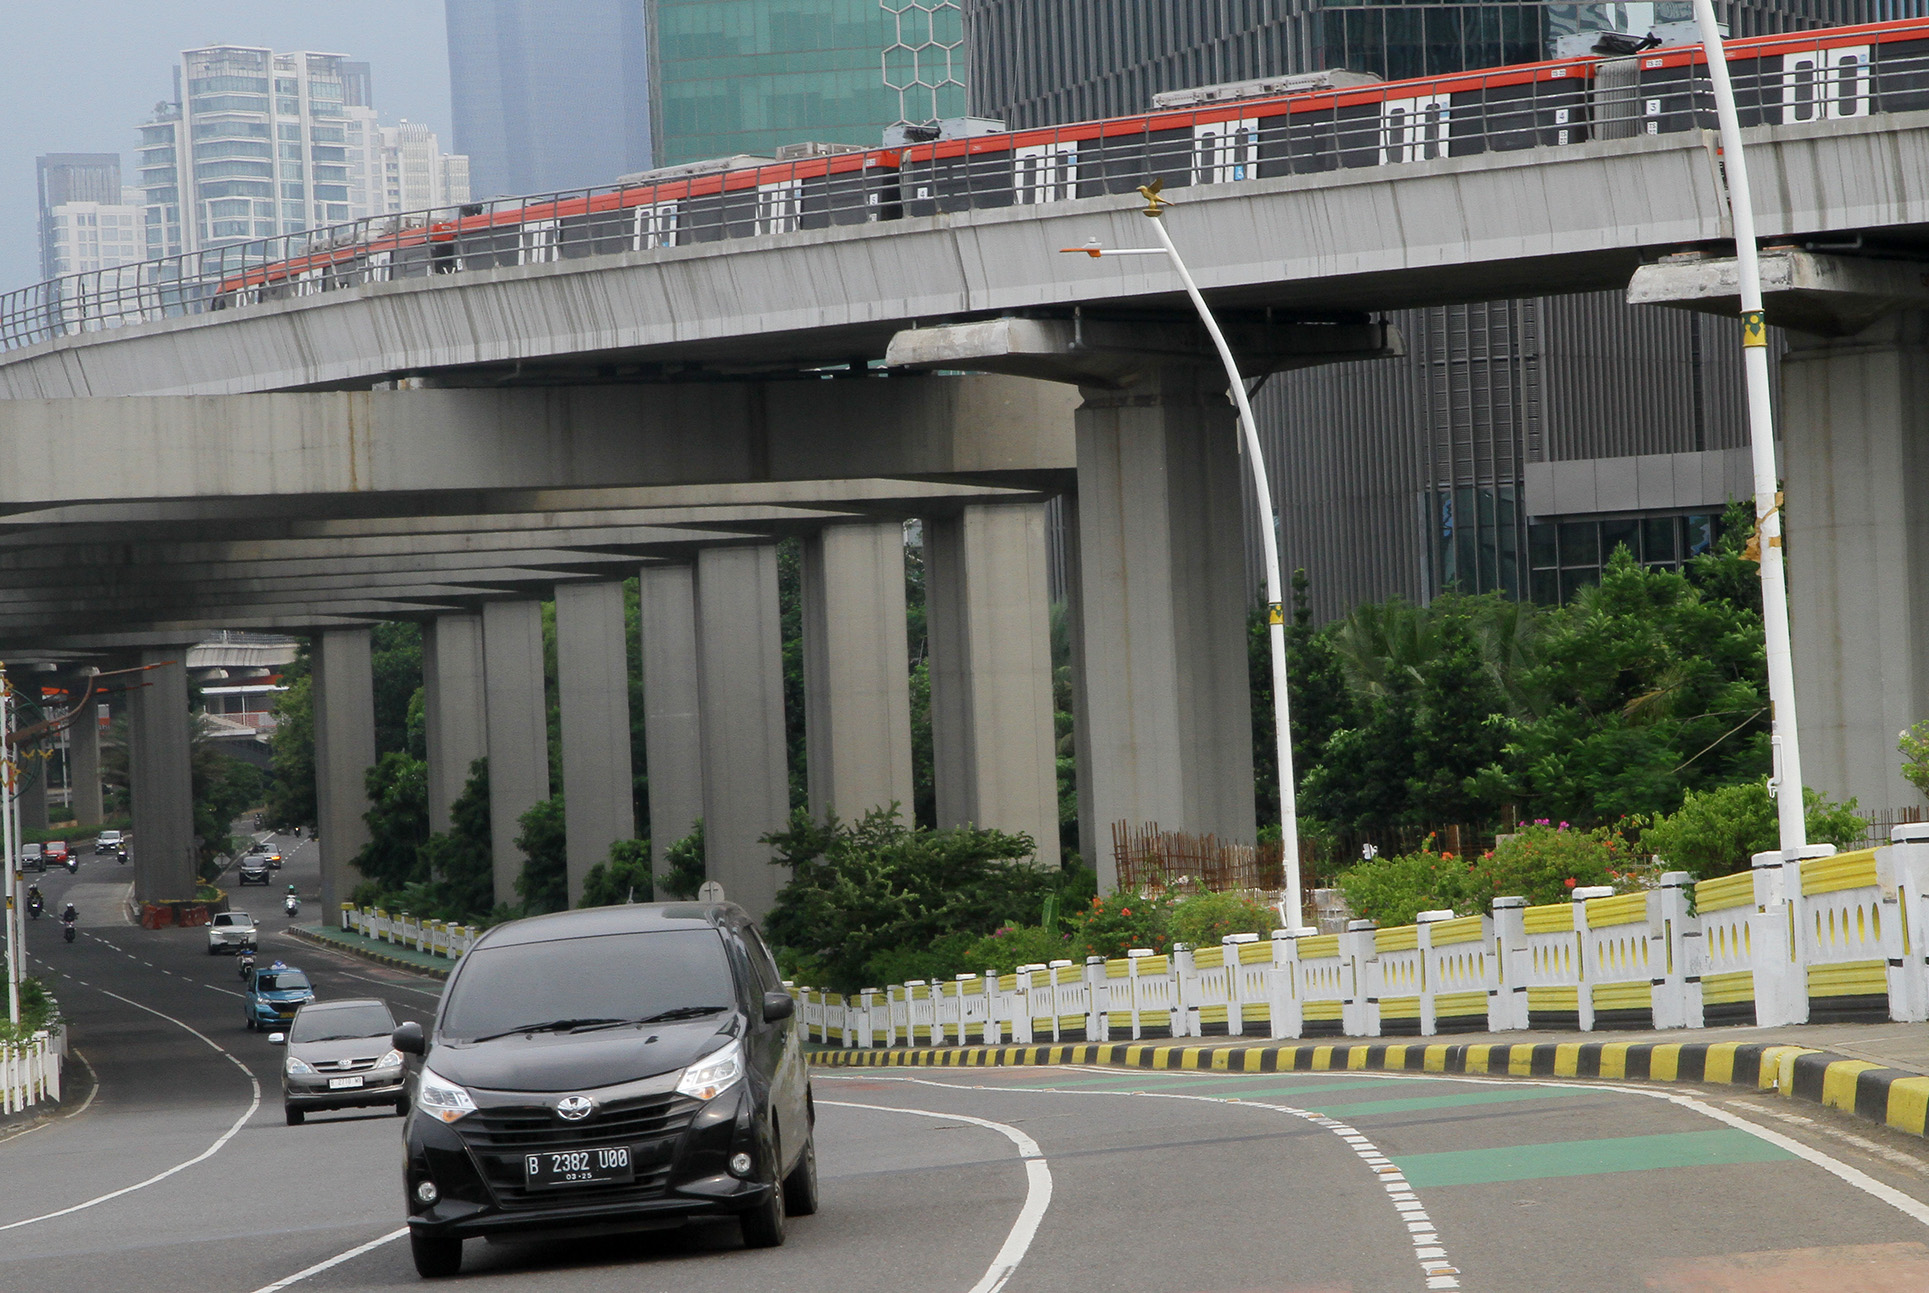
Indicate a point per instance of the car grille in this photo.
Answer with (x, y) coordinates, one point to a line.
(499, 1138)
(345, 1066)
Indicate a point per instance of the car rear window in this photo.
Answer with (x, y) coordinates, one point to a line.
(609, 976)
(339, 1022)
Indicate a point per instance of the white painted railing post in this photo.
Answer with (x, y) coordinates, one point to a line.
(1239, 992)
(1185, 994)
(1676, 972)
(1021, 1008)
(1508, 1009)
(1356, 957)
(1781, 986)
(1587, 964)
(1426, 920)
(1909, 848)
(1283, 984)
(1098, 1000)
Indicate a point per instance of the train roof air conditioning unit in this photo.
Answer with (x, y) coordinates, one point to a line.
(1266, 87)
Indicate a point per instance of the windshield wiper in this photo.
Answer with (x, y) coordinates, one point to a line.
(553, 1026)
(681, 1012)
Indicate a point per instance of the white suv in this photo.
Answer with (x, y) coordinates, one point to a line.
(231, 931)
(107, 841)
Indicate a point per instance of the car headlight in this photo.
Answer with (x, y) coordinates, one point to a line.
(299, 1067)
(392, 1060)
(714, 1074)
(445, 1100)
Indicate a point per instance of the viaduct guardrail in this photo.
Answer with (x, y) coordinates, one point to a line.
(30, 1071)
(1828, 939)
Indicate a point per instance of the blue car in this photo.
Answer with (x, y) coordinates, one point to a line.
(275, 992)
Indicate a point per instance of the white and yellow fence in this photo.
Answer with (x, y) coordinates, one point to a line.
(400, 929)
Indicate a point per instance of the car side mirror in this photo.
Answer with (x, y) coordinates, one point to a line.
(778, 1006)
(408, 1038)
(277, 1039)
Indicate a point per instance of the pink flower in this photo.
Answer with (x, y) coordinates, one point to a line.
(1570, 882)
(1563, 825)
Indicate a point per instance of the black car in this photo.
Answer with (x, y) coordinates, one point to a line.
(252, 869)
(608, 1069)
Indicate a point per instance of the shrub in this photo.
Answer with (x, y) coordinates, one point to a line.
(687, 866)
(948, 955)
(1010, 946)
(1914, 745)
(1394, 889)
(544, 882)
(1204, 919)
(1544, 862)
(1115, 923)
(862, 891)
(624, 878)
(1716, 832)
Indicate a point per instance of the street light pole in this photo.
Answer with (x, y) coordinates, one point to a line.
(1269, 541)
(16, 918)
(1787, 778)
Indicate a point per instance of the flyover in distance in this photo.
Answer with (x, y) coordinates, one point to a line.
(709, 365)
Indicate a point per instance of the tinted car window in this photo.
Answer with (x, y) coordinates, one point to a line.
(762, 962)
(608, 977)
(281, 981)
(346, 1021)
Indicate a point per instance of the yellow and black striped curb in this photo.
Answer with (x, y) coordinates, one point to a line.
(1895, 1097)
(380, 958)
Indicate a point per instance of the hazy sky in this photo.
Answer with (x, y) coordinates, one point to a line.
(83, 74)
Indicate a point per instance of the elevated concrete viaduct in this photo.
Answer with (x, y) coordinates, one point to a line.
(707, 367)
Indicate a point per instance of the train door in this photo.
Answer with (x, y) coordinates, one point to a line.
(538, 245)
(1044, 173)
(780, 206)
(655, 226)
(1825, 84)
(1225, 152)
(1413, 130)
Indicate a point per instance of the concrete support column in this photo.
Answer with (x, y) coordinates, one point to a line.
(988, 614)
(33, 799)
(740, 702)
(1163, 602)
(517, 714)
(83, 753)
(857, 687)
(344, 696)
(452, 691)
(1855, 429)
(159, 781)
(592, 674)
(672, 737)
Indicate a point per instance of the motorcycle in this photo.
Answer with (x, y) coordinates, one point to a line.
(73, 865)
(291, 905)
(33, 906)
(120, 855)
(67, 930)
(245, 962)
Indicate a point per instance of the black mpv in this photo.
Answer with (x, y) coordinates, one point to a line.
(608, 1069)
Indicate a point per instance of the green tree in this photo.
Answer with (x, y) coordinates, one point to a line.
(860, 891)
(398, 821)
(687, 865)
(544, 882)
(395, 660)
(624, 878)
(1364, 776)
(1459, 726)
(291, 797)
(459, 863)
(1716, 832)
(1914, 747)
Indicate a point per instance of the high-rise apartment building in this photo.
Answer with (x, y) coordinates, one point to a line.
(80, 235)
(410, 172)
(549, 96)
(1516, 442)
(64, 178)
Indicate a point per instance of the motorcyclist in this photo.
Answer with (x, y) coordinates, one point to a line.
(70, 915)
(34, 901)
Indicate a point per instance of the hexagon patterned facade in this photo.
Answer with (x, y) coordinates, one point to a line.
(926, 57)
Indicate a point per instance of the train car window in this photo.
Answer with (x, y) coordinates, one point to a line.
(1413, 130)
(1044, 173)
(1849, 75)
(656, 226)
(1826, 85)
(1225, 152)
(779, 206)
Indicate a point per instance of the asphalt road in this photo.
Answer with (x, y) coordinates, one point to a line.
(179, 1174)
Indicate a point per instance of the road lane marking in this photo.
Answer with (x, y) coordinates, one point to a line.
(334, 1261)
(1894, 1156)
(1429, 1251)
(1038, 1190)
(91, 1072)
(254, 1103)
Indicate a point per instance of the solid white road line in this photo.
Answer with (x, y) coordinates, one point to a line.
(334, 1261)
(254, 1103)
(1038, 1189)
(93, 1073)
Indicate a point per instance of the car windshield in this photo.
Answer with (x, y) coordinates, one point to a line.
(281, 981)
(338, 1023)
(234, 918)
(587, 982)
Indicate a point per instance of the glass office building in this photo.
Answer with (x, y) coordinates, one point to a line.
(748, 76)
(1471, 462)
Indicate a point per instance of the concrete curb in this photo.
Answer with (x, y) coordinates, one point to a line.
(394, 962)
(1894, 1097)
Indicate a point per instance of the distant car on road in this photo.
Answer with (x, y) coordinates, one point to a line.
(274, 994)
(55, 851)
(340, 1057)
(107, 842)
(253, 869)
(267, 852)
(231, 931)
(31, 858)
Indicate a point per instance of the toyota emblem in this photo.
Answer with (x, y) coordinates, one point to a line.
(574, 1108)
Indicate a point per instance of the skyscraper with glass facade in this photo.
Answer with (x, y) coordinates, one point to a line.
(1517, 442)
(549, 96)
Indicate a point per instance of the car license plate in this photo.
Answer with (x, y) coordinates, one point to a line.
(343, 1083)
(599, 1166)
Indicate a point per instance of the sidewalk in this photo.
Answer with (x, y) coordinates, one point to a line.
(373, 949)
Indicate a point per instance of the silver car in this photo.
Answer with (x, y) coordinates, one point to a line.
(231, 931)
(340, 1057)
